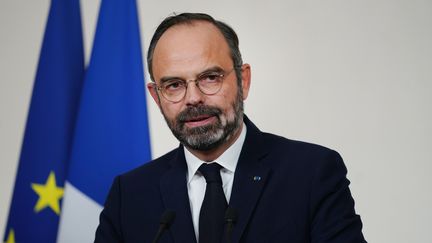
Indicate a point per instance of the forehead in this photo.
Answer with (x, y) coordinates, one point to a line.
(190, 48)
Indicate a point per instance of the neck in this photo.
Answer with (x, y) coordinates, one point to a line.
(213, 154)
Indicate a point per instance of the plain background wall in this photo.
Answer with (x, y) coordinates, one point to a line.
(355, 76)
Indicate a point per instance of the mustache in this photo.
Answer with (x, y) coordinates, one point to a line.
(197, 111)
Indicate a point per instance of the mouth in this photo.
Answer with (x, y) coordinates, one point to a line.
(199, 120)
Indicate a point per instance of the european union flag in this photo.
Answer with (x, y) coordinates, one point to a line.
(111, 133)
(36, 202)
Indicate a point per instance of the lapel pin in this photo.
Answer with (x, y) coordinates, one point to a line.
(257, 178)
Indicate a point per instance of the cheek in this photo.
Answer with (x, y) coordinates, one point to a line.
(230, 94)
(170, 110)
(226, 100)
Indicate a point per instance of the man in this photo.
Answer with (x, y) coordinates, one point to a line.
(277, 190)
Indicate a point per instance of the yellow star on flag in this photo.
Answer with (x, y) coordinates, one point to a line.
(11, 237)
(49, 194)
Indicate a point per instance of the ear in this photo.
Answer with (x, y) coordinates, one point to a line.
(152, 88)
(246, 79)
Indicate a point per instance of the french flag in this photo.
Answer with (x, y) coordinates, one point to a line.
(111, 132)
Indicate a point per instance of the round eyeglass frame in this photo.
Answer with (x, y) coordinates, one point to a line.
(222, 76)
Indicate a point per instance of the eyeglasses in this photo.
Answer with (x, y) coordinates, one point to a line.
(209, 83)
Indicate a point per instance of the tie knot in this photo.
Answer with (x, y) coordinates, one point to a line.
(211, 172)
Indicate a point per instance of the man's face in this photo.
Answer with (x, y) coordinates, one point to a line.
(201, 122)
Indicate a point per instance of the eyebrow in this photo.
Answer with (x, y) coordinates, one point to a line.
(208, 70)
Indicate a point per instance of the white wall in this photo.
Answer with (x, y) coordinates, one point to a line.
(355, 76)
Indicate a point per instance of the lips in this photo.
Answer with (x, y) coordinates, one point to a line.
(198, 118)
(199, 121)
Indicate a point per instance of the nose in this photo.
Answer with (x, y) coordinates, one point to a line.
(193, 96)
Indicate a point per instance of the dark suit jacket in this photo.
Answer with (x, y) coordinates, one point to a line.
(300, 194)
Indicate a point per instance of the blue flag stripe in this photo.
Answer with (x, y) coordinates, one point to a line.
(112, 131)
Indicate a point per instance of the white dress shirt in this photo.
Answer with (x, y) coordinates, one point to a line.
(196, 183)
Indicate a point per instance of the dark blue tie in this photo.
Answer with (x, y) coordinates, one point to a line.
(211, 220)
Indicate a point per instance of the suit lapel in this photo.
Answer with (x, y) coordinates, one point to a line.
(249, 180)
(173, 187)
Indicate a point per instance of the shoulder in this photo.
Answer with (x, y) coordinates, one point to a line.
(282, 147)
(301, 158)
(296, 149)
(283, 154)
(150, 170)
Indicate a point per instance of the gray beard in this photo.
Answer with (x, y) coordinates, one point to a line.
(205, 138)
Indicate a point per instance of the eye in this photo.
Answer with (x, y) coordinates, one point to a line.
(210, 77)
(173, 85)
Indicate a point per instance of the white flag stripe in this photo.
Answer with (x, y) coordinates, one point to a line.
(79, 218)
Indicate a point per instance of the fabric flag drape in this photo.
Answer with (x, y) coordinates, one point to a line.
(35, 207)
(111, 133)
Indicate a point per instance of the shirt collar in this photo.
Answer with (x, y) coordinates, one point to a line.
(228, 159)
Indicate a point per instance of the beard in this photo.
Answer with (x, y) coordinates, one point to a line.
(207, 137)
